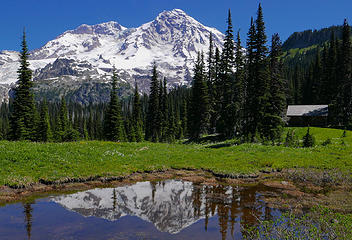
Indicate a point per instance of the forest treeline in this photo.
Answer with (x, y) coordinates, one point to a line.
(325, 78)
(236, 92)
(311, 37)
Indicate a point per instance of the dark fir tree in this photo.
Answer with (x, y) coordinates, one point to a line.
(331, 85)
(113, 125)
(250, 103)
(184, 119)
(277, 100)
(239, 86)
(227, 58)
(64, 131)
(23, 118)
(4, 120)
(164, 110)
(317, 79)
(345, 82)
(258, 92)
(199, 104)
(323, 88)
(261, 76)
(62, 123)
(216, 91)
(44, 129)
(308, 85)
(226, 124)
(171, 127)
(137, 115)
(152, 130)
(211, 85)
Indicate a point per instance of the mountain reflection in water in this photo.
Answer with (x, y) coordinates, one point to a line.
(146, 210)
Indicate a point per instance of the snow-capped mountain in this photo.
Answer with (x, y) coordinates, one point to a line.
(169, 205)
(86, 56)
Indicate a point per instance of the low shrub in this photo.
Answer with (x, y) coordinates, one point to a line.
(326, 142)
(308, 140)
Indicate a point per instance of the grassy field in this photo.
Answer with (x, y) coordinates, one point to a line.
(23, 163)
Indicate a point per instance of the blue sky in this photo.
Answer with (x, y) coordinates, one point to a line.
(46, 19)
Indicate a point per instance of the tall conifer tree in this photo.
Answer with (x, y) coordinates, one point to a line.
(273, 123)
(239, 86)
(261, 77)
(137, 115)
(331, 86)
(44, 129)
(164, 109)
(211, 85)
(153, 114)
(113, 125)
(199, 105)
(250, 103)
(226, 123)
(345, 89)
(23, 119)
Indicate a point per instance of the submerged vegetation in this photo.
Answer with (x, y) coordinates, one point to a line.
(320, 223)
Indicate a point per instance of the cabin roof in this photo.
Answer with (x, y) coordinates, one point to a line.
(308, 110)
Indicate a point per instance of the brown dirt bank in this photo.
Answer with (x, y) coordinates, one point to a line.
(291, 189)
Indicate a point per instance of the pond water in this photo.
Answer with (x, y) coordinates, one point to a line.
(146, 210)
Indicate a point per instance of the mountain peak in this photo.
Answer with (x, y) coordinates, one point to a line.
(175, 11)
(91, 51)
(107, 28)
(173, 14)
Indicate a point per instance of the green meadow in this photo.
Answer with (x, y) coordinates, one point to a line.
(24, 163)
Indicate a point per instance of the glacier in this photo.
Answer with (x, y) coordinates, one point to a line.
(88, 54)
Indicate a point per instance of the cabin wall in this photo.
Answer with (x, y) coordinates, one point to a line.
(305, 121)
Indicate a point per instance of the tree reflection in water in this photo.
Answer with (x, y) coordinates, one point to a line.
(28, 218)
(173, 206)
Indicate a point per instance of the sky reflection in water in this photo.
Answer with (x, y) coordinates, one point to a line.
(146, 210)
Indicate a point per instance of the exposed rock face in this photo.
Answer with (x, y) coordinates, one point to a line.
(172, 40)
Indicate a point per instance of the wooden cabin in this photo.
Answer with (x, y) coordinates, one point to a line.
(307, 115)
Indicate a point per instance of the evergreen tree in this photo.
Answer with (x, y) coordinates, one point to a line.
(277, 106)
(152, 131)
(317, 78)
(308, 140)
(4, 120)
(216, 91)
(331, 85)
(324, 89)
(137, 115)
(164, 110)
(64, 130)
(63, 121)
(199, 105)
(297, 85)
(211, 85)
(345, 87)
(250, 103)
(85, 131)
(239, 86)
(171, 128)
(184, 119)
(308, 86)
(90, 127)
(259, 78)
(226, 123)
(44, 128)
(113, 125)
(227, 58)
(23, 119)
